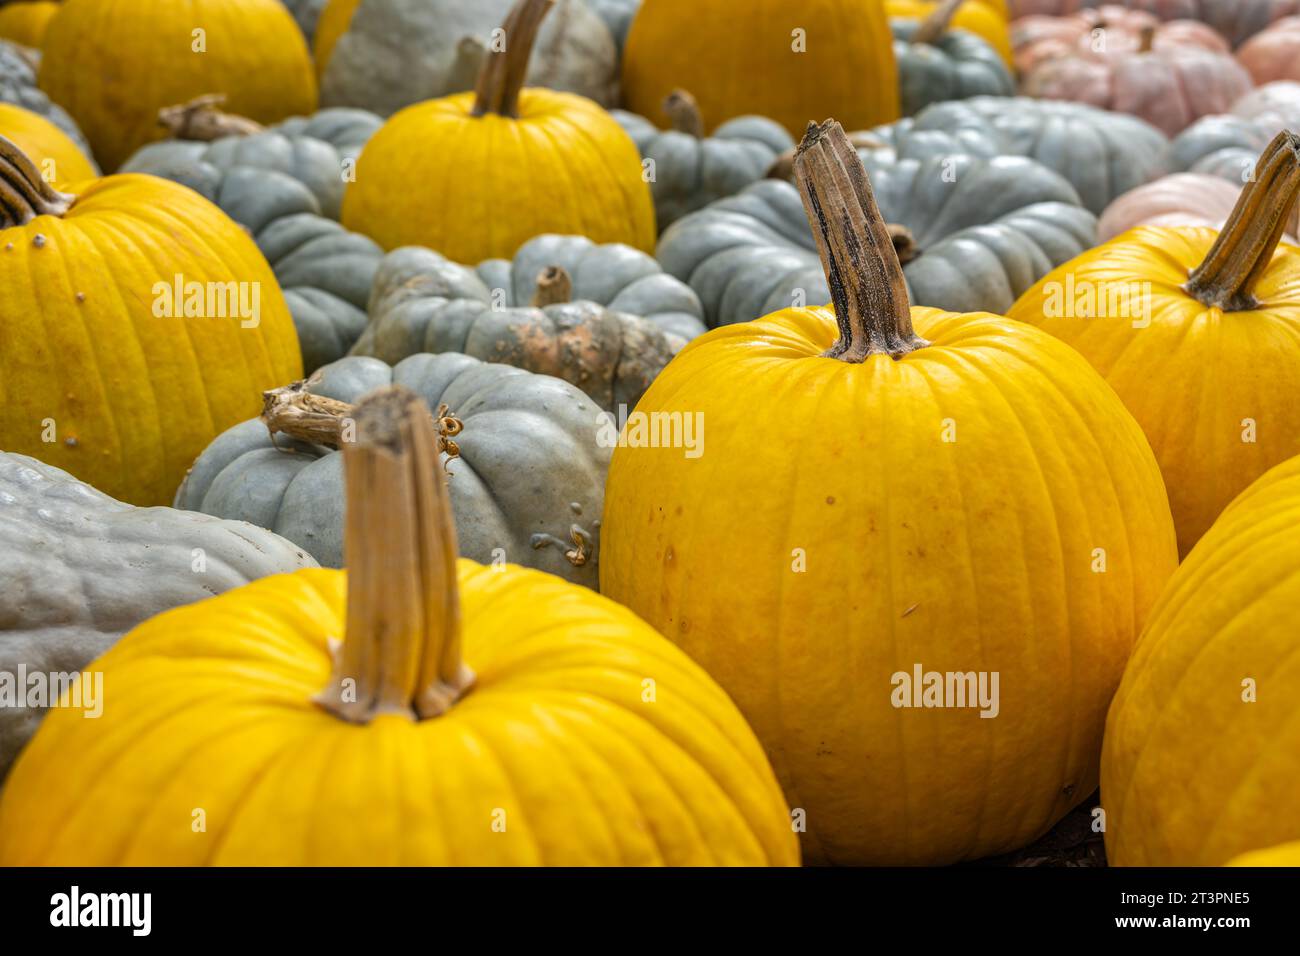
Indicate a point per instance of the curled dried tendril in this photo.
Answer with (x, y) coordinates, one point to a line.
(578, 555)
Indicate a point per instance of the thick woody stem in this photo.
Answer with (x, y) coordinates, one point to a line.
(468, 65)
(1245, 247)
(24, 195)
(857, 249)
(934, 26)
(783, 166)
(200, 120)
(317, 420)
(401, 652)
(1147, 38)
(554, 287)
(684, 113)
(502, 78)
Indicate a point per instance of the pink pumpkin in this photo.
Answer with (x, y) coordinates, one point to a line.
(1235, 20)
(1179, 199)
(1273, 54)
(1168, 86)
(1109, 30)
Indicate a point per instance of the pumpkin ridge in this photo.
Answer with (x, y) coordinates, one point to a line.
(599, 159)
(94, 348)
(966, 361)
(136, 247)
(971, 587)
(244, 803)
(634, 742)
(1259, 766)
(1224, 631)
(1071, 755)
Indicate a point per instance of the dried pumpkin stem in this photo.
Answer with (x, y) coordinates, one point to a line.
(402, 650)
(554, 287)
(465, 69)
(502, 78)
(683, 112)
(1245, 247)
(783, 166)
(857, 249)
(934, 26)
(1147, 38)
(24, 195)
(201, 120)
(317, 420)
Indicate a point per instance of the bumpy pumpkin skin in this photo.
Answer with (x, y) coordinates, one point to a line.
(44, 143)
(738, 57)
(133, 397)
(585, 771)
(1237, 20)
(1227, 615)
(563, 166)
(82, 569)
(955, 66)
(27, 22)
(970, 555)
(1196, 374)
(531, 468)
(986, 229)
(421, 302)
(115, 63)
(1102, 154)
(691, 172)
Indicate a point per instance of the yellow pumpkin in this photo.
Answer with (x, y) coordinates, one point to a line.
(334, 21)
(1202, 753)
(980, 17)
(113, 64)
(59, 159)
(1209, 365)
(1288, 854)
(794, 62)
(26, 22)
(101, 372)
(477, 175)
(958, 494)
(569, 734)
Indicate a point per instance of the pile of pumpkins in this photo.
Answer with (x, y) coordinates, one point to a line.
(630, 432)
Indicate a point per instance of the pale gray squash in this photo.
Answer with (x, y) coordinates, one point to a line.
(18, 86)
(618, 15)
(399, 52)
(975, 234)
(1222, 145)
(528, 487)
(1102, 154)
(1237, 20)
(692, 170)
(424, 302)
(307, 13)
(81, 569)
(324, 270)
(317, 151)
(937, 63)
